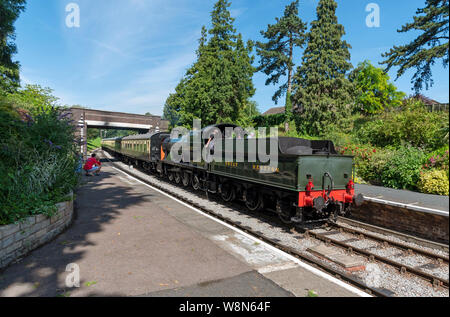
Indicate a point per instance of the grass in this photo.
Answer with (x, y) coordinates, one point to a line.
(312, 293)
(94, 144)
(90, 283)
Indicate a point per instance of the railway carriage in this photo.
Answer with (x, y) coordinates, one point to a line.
(311, 182)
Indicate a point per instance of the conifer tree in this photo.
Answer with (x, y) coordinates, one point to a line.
(219, 84)
(277, 54)
(431, 45)
(322, 91)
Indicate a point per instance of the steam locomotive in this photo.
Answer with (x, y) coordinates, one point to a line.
(311, 181)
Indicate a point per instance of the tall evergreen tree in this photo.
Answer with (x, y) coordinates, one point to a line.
(322, 91)
(219, 85)
(277, 54)
(9, 69)
(430, 46)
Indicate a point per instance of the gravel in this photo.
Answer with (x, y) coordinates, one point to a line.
(395, 239)
(393, 253)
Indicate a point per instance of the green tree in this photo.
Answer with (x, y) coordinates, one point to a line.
(9, 69)
(427, 48)
(93, 133)
(277, 54)
(218, 86)
(34, 98)
(252, 109)
(322, 91)
(172, 107)
(374, 92)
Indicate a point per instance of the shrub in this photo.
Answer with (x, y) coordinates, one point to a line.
(402, 170)
(438, 159)
(434, 182)
(37, 162)
(395, 168)
(413, 125)
(269, 120)
(369, 161)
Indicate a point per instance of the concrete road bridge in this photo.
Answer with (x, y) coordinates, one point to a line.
(90, 118)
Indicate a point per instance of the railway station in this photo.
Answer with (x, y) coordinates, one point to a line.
(136, 235)
(231, 156)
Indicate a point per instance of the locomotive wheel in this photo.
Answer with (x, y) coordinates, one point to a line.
(171, 177)
(195, 182)
(186, 179)
(283, 212)
(253, 200)
(228, 193)
(177, 178)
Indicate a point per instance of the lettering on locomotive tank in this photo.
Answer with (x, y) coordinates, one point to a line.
(266, 169)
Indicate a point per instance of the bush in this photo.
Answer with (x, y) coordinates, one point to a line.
(369, 161)
(37, 162)
(395, 168)
(438, 159)
(413, 125)
(402, 170)
(270, 120)
(434, 182)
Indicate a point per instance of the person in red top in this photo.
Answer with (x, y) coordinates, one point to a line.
(92, 166)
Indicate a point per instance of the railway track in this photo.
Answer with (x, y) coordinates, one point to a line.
(310, 258)
(435, 260)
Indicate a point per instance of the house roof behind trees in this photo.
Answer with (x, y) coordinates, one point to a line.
(275, 110)
(427, 101)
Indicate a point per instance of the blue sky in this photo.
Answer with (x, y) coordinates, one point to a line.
(128, 55)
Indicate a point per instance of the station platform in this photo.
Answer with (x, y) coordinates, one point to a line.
(130, 240)
(409, 199)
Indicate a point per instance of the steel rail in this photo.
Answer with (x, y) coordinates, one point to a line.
(403, 246)
(434, 280)
(399, 235)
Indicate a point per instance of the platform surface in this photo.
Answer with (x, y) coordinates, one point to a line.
(130, 240)
(404, 196)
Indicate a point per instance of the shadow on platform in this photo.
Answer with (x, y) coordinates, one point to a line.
(43, 272)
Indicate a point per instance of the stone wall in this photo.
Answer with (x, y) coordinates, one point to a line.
(16, 240)
(434, 227)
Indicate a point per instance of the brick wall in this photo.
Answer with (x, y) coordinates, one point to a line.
(420, 224)
(16, 240)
